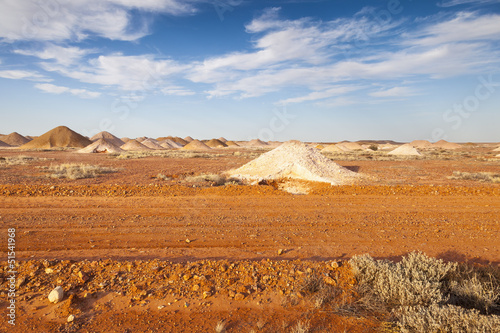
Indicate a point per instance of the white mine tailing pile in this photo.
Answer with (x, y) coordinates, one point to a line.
(295, 160)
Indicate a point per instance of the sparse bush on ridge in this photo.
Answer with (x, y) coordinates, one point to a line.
(77, 171)
(479, 176)
(214, 179)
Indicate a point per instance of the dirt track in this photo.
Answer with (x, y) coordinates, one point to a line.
(457, 226)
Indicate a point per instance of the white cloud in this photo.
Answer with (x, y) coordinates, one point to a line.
(123, 72)
(464, 27)
(58, 20)
(25, 75)
(451, 3)
(318, 95)
(305, 53)
(393, 92)
(177, 91)
(53, 89)
(62, 55)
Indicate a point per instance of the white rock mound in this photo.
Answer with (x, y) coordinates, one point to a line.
(294, 160)
(406, 150)
(101, 146)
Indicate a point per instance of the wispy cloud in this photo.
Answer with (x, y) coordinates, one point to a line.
(53, 89)
(306, 53)
(77, 19)
(451, 3)
(23, 75)
(65, 56)
(394, 92)
(123, 72)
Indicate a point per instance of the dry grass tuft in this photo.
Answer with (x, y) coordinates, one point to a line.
(212, 179)
(77, 171)
(301, 327)
(19, 160)
(488, 177)
(220, 327)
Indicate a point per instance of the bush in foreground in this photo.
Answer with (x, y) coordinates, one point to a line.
(424, 294)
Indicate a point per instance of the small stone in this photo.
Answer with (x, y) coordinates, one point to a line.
(187, 240)
(56, 295)
(49, 270)
(160, 307)
(239, 297)
(330, 281)
(207, 294)
(280, 251)
(334, 264)
(186, 277)
(70, 318)
(186, 304)
(196, 287)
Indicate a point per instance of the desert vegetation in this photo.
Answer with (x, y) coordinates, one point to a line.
(77, 171)
(489, 177)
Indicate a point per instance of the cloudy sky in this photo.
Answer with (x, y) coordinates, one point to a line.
(286, 69)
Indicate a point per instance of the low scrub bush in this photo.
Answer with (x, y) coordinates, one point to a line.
(424, 294)
(77, 171)
(213, 179)
(416, 280)
(447, 318)
(489, 177)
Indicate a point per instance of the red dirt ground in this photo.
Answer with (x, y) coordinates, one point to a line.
(130, 215)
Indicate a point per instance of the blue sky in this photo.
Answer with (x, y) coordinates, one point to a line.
(309, 70)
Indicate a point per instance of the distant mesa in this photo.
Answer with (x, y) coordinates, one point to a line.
(216, 143)
(188, 139)
(294, 160)
(15, 139)
(406, 149)
(196, 145)
(421, 144)
(60, 136)
(142, 138)
(125, 139)
(443, 144)
(152, 143)
(101, 146)
(222, 139)
(134, 145)
(109, 138)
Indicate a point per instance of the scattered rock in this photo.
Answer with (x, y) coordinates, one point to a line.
(280, 251)
(207, 294)
(239, 297)
(70, 318)
(56, 295)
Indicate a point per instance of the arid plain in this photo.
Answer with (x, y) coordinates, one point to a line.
(174, 239)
